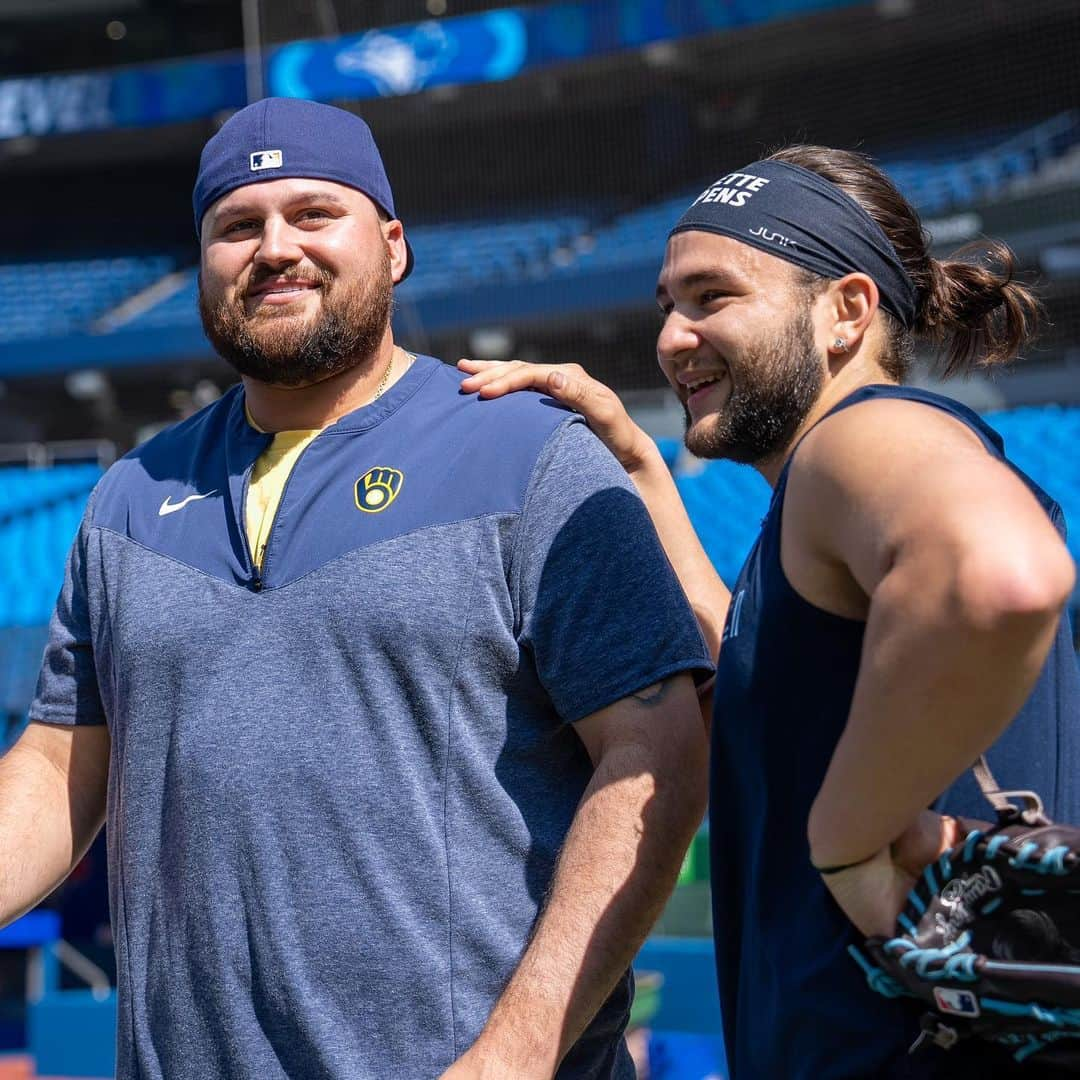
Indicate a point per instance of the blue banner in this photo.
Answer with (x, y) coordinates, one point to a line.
(130, 97)
(489, 47)
(402, 60)
(501, 44)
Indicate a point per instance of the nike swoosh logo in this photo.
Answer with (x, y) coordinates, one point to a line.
(171, 508)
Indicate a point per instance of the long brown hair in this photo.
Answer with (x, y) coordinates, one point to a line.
(970, 306)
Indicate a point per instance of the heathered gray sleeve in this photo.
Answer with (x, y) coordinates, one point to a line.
(67, 689)
(599, 606)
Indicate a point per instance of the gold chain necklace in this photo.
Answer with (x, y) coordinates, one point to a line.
(384, 381)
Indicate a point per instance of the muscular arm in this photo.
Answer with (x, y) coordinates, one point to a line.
(52, 804)
(966, 579)
(617, 867)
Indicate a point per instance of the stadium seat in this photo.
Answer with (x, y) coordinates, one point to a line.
(52, 299)
(40, 510)
(41, 300)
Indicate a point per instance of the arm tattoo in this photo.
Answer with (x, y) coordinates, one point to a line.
(651, 696)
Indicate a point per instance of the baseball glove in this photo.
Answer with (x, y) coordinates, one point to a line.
(990, 937)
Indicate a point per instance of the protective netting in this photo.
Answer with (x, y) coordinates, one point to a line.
(555, 189)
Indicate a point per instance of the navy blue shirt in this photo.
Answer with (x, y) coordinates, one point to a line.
(794, 1003)
(338, 790)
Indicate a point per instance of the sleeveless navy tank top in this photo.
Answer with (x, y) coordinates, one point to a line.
(795, 1005)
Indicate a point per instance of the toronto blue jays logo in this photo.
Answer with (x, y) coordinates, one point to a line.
(401, 61)
(378, 488)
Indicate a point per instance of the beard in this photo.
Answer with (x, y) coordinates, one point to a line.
(289, 351)
(763, 412)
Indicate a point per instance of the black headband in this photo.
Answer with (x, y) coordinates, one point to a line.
(796, 215)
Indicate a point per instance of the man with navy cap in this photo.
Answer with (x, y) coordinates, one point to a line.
(397, 769)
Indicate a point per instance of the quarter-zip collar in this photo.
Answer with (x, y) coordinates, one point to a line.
(374, 412)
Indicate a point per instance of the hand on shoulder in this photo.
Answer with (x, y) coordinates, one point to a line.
(571, 385)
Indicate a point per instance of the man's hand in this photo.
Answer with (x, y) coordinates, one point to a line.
(874, 892)
(570, 385)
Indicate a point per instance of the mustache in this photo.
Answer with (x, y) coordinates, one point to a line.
(293, 273)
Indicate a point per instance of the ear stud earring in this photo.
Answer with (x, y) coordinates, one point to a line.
(840, 345)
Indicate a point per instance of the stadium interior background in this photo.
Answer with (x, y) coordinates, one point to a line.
(538, 155)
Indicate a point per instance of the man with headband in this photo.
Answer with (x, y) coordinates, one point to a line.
(389, 794)
(900, 612)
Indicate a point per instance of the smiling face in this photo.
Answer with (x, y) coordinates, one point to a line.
(737, 345)
(296, 279)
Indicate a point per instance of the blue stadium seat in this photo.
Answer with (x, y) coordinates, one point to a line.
(452, 257)
(726, 503)
(40, 510)
(1042, 441)
(952, 174)
(52, 299)
(178, 309)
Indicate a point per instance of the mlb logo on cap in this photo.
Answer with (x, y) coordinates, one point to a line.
(265, 159)
(956, 1002)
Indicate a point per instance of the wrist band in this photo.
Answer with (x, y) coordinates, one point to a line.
(843, 866)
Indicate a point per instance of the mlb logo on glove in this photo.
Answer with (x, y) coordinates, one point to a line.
(998, 913)
(956, 1002)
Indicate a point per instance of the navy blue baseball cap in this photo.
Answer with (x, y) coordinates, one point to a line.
(279, 138)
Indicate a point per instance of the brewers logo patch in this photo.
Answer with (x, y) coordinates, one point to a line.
(378, 488)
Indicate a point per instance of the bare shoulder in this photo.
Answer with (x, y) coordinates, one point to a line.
(872, 462)
(888, 476)
(886, 442)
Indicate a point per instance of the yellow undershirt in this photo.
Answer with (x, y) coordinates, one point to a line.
(271, 470)
(268, 476)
